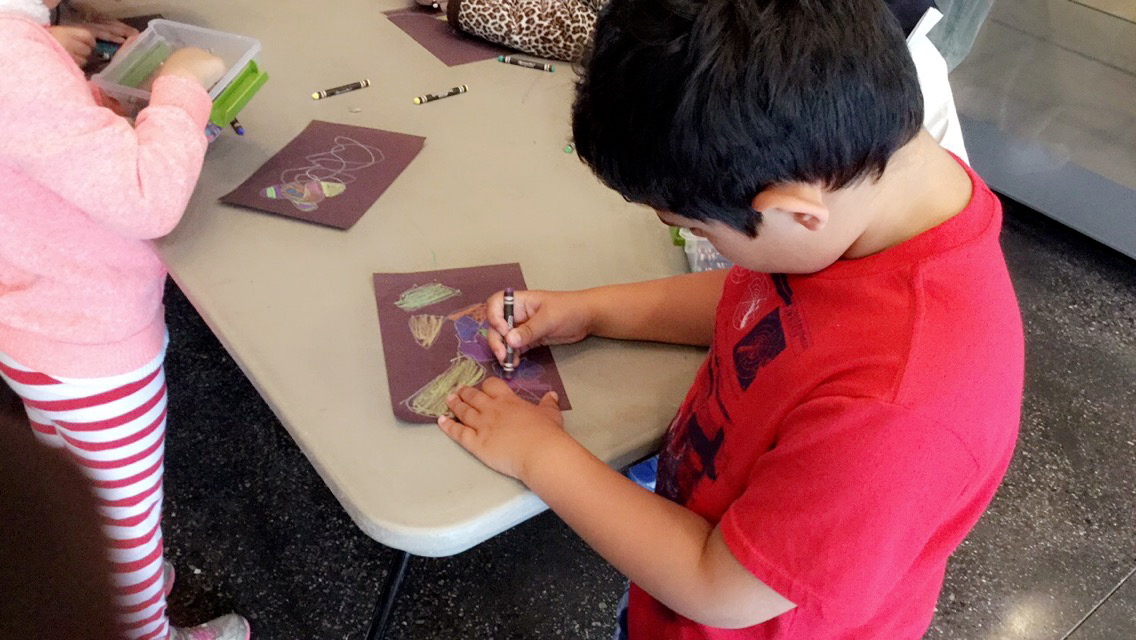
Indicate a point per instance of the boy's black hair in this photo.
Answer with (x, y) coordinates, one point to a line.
(694, 106)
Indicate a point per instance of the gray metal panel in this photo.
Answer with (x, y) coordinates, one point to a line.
(1027, 172)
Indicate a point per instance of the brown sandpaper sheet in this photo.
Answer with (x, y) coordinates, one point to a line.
(431, 30)
(434, 331)
(330, 174)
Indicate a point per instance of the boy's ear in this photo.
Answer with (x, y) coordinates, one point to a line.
(801, 200)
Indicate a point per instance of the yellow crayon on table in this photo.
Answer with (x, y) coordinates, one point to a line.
(430, 97)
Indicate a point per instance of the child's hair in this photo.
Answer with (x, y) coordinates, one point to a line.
(695, 106)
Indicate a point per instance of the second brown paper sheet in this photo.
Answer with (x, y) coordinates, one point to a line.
(330, 174)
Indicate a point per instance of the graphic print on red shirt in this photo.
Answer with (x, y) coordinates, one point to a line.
(692, 443)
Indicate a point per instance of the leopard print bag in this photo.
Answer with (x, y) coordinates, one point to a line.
(555, 29)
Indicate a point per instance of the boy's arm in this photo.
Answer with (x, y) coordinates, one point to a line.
(666, 549)
(678, 310)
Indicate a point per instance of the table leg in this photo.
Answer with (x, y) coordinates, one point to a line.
(387, 598)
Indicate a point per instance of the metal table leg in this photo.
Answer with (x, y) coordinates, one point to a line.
(387, 598)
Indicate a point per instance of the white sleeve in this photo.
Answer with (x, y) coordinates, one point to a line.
(939, 114)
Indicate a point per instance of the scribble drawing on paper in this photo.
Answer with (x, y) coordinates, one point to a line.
(472, 328)
(528, 380)
(326, 175)
(478, 311)
(425, 328)
(473, 339)
(425, 295)
(430, 400)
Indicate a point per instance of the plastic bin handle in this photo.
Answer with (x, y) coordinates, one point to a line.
(235, 96)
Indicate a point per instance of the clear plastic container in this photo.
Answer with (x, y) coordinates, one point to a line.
(127, 78)
(700, 254)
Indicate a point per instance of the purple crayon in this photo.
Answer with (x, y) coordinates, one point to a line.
(510, 298)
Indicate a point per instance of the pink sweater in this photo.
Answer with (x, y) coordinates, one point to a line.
(84, 193)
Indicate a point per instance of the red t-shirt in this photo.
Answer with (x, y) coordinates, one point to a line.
(849, 427)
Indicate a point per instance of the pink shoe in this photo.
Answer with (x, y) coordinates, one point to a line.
(230, 627)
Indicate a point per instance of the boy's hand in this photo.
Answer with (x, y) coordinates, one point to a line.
(195, 64)
(540, 318)
(501, 429)
(77, 41)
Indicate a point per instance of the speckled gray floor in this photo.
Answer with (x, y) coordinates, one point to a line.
(250, 527)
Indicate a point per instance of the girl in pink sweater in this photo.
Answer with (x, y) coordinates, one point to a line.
(82, 333)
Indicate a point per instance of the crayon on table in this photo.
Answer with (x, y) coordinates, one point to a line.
(430, 97)
(334, 91)
(237, 127)
(528, 64)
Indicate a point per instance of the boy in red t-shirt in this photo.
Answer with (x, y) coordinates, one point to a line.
(861, 397)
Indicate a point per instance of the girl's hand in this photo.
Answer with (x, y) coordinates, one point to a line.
(126, 44)
(195, 64)
(77, 41)
(110, 30)
(501, 429)
(101, 26)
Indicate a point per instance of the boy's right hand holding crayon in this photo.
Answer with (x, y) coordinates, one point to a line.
(542, 318)
(678, 310)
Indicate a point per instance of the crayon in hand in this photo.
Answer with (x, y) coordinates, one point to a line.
(507, 365)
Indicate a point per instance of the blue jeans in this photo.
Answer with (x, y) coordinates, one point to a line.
(621, 617)
(642, 474)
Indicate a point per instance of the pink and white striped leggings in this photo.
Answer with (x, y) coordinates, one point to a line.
(115, 429)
